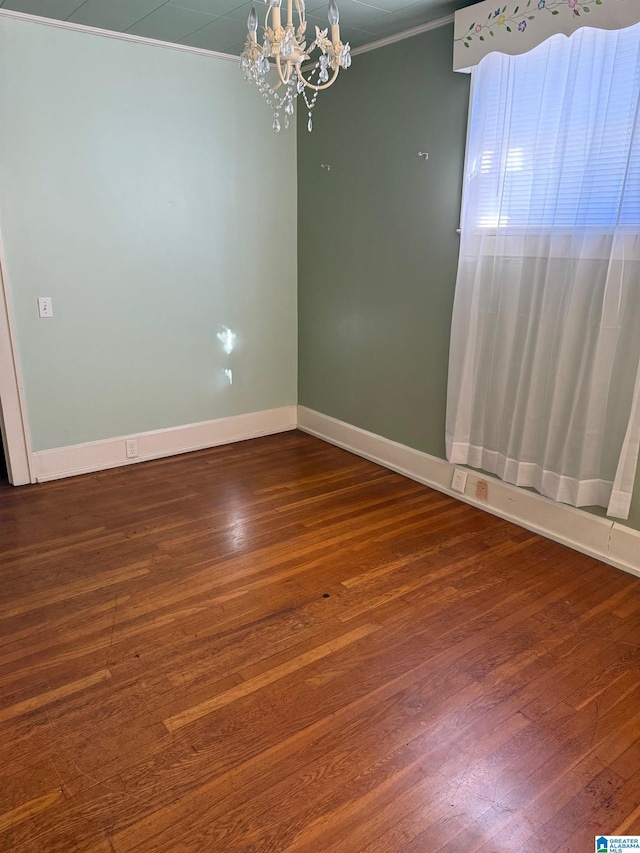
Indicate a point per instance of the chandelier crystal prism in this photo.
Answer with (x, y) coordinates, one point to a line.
(282, 54)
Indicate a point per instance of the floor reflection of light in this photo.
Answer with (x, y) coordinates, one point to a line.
(236, 529)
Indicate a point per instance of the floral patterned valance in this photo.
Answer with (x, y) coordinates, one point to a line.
(521, 25)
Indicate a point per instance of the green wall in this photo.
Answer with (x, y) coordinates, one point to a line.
(377, 250)
(378, 247)
(137, 186)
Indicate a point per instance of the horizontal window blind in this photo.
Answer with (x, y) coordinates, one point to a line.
(555, 135)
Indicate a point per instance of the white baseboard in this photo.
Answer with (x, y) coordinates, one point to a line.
(110, 453)
(598, 537)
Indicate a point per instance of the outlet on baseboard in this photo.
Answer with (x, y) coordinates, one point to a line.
(131, 445)
(459, 481)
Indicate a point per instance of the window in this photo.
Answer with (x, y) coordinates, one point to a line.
(544, 369)
(557, 135)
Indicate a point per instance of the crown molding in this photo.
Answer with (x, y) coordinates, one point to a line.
(96, 31)
(82, 28)
(405, 34)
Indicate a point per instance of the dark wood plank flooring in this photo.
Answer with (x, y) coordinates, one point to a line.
(278, 647)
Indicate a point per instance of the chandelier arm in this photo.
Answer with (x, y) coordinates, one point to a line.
(313, 85)
(284, 78)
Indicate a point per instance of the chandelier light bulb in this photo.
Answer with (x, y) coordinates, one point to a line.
(275, 4)
(334, 15)
(252, 20)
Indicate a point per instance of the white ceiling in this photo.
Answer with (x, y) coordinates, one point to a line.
(221, 25)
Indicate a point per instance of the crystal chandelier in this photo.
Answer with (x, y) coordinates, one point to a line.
(283, 50)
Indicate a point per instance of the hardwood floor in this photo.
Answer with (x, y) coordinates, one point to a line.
(277, 646)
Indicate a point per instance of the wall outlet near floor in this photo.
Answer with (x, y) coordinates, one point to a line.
(131, 445)
(459, 481)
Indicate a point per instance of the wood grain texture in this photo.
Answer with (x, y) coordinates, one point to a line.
(276, 646)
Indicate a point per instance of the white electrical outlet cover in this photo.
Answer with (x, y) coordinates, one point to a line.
(459, 480)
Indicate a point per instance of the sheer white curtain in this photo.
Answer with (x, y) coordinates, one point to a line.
(544, 376)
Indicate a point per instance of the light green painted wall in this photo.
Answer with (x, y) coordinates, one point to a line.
(377, 244)
(137, 185)
(377, 240)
